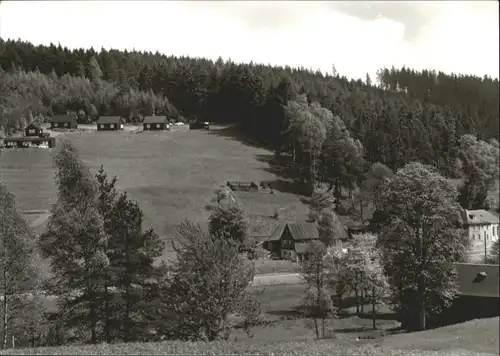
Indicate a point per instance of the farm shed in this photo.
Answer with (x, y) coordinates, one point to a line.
(291, 240)
(63, 122)
(478, 295)
(33, 129)
(154, 123)
(110, 123)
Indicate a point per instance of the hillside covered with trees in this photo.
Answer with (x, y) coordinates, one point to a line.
(406, 116)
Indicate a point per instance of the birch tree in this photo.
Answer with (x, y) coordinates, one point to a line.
(203, 287)
(317, 303)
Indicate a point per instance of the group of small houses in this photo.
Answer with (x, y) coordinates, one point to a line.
(477, 283)
(33, 135)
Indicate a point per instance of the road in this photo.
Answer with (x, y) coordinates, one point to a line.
(276, 278)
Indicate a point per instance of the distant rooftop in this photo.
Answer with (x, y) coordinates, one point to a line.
(480, 217)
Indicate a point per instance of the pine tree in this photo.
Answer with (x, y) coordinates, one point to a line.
(131, 252)
(75, 243)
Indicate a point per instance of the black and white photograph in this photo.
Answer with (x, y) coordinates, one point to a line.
(273, 178)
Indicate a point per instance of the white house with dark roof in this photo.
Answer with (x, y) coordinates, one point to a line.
(481, 225)
(482, 229)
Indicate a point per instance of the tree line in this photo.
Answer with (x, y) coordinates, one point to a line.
(406, 116)
(405, 262)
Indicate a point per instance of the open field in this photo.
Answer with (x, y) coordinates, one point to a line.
(171, 174)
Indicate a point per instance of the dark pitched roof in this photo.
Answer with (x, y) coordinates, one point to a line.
(64, 118)
(299, 231)
(479, 217)
(478, 280)
(110, 120)
(155, 120)
(303, 231)
(276, 235)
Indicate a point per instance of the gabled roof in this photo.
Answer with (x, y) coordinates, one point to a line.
(479, 217)
(64, 118)
(276, 235)
(478, 280)
(110, 120)
(303, 231)
(298, 231)
(155, 120)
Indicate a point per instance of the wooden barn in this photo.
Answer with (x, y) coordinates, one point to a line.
(478, 295)
(63, 122)
(291, 240)
(33, 130)
(110, 123)
(155, 123)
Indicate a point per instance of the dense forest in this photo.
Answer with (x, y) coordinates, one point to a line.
(401, 116)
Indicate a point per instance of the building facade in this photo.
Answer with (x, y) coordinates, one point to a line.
(110, 123)
(155, 123)
(33, 130)
(63, 122)
(482, 229)
(291, 241)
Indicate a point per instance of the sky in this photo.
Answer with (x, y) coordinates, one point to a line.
(357, 37)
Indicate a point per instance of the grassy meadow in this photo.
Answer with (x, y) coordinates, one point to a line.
(171, 174)
(477, 337)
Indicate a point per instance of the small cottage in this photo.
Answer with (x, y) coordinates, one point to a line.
(292, 240)
(155, 123)
(63, 122)
(478, 295)
(110, 123)
(33, 129)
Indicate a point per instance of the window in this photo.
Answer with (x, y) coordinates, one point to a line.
(102, 126)
(112, 126)
(56, 124)
(31, 131)
(148, 126)
(158, 126)
(66, 124)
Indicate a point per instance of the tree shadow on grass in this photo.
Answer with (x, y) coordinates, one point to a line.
(368, 315)
(233, 132)
(295, 313)
(284, 169)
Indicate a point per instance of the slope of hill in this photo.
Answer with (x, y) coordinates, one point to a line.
(409, 116)
(471, 338)
(172, 175)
